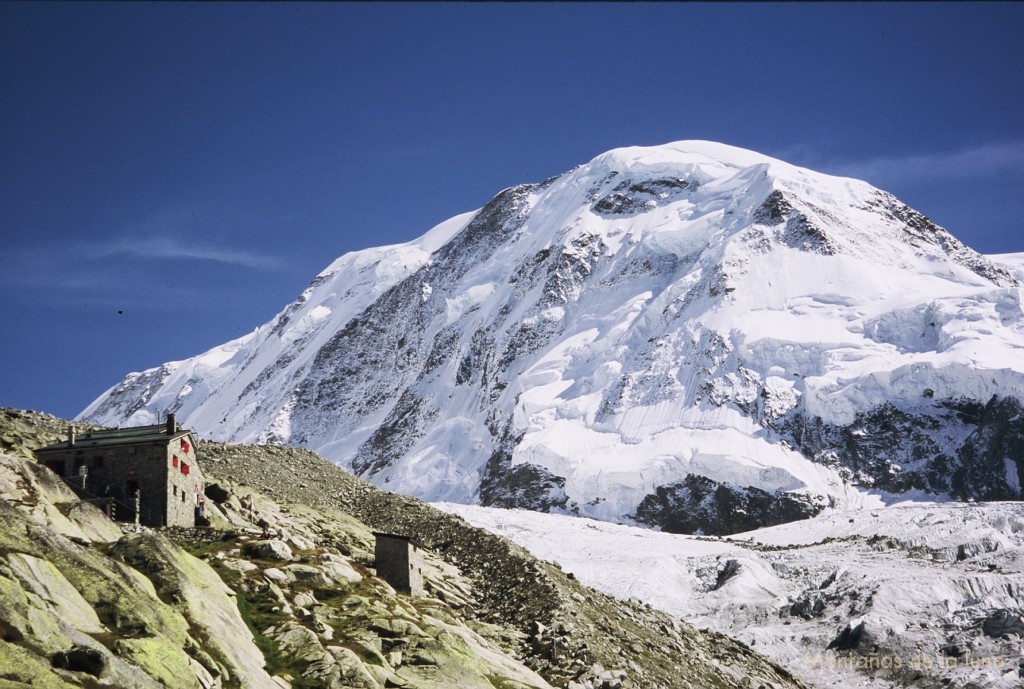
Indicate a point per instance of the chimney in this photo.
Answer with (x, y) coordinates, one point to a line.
(172, 425)
(71, 436)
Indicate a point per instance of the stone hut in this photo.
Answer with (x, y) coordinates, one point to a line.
(399, 563)
(156, 462)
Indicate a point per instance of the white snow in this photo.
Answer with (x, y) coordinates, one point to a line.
(468, 300)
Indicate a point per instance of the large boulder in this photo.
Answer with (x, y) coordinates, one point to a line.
(217, 493)
(272, 549)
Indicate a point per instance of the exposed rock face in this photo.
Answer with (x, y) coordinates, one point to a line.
(81, 602)
(700, 505)
(1003, 623)
(957, 447)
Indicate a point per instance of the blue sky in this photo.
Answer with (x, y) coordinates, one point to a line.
(174, 174)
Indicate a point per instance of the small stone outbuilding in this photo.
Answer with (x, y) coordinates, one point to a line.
(158, 462)
(399, 562)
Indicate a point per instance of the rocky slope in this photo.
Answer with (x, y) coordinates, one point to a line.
(661, 335)
(84, 604)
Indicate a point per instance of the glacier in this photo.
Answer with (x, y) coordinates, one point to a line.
(936, 589)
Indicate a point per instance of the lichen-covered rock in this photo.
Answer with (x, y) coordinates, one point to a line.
(22, 668)
(59, 600)
(165, 663)
(272, 549)
(43, 579)
(190, 584)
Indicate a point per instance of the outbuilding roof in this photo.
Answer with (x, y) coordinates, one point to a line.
(399, 537)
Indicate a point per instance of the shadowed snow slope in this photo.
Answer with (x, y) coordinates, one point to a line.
(691, 336)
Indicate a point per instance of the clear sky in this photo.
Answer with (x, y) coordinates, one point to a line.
(172, 175)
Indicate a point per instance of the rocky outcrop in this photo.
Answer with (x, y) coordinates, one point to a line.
(136, 609)
(323, 616)
(958, 447)
(700, 505)
(630, 198)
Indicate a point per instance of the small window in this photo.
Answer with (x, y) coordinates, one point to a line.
(183, 496)
(184, 445)
(174, 489)
(174, 461)
(184, 468)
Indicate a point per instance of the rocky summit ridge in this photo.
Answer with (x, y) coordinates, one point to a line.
(690, 336)
(84, 603)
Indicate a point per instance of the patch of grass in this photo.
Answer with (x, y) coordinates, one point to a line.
(330, 595)
(257, 622)
(257, 613)
(205, 550)
(309, 557)
(367, 655)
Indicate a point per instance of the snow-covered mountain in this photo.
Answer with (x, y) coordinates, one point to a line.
(692, 336)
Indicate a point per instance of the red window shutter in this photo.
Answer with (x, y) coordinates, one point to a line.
(184, 468)
(184, 445)
(174, 461)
